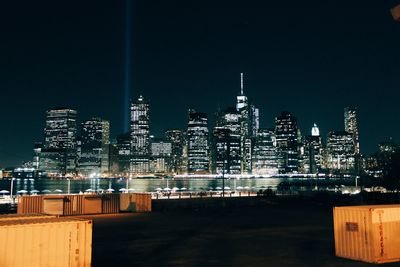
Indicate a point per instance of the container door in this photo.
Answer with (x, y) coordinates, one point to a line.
(92, 205)
(386, 223)
(53, 206)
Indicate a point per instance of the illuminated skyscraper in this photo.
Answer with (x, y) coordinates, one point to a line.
(226, 151)
(140, 136)
(198, 145)
(95, 137)
(175, 137)
(123, 147)
(351, 126)
(58, 156)
(312, 159)
(286, 142)
(264, 153)
(340, 152)
(60, 131)
(249, 124)
(161, 151)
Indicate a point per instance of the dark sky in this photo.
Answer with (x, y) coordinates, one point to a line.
(309, 57)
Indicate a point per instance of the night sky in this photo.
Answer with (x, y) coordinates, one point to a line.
(311, 58)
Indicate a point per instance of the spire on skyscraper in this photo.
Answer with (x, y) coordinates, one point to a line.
(241, 99)
(241, 83)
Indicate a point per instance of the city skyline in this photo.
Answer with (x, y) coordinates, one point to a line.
(211, 124)
(299, 57)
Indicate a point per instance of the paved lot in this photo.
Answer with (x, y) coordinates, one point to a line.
(284, 234)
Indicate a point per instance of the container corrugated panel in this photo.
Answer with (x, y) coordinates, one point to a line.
(12, 217)
(110, 203)
(143, 202)
(73, 205)
(124, 201)
(30, 204)
(56, 242)
(92, 204)
(368, 233)
(128, 201)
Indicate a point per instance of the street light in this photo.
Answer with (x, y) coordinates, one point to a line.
(69, 186)
(11, 189)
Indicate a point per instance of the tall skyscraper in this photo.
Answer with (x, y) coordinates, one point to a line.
(249, 124)
(161, 151)
(95, 137)
(264, 153)
(124, 147)
(58, 156)
(340, 154)
(61, 129)
(198, 144)
(312, 160)
(226, 151)
(351, 126)
(286, 142)
(175, 137)
(140, 136)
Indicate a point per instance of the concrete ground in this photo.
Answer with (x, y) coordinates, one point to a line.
(271, 234)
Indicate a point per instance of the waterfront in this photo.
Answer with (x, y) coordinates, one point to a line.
(134, 185)
(57, 186)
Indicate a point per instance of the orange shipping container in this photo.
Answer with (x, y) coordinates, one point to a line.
(30, 204)
(57, 242)
(135, 202)
(368, 233)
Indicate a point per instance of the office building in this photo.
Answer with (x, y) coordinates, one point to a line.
(226, 152)
(351, 126)
(249, 124)
(198, 144)
(226, 142)
(287, 142)
(60, 135)
(176, 138)
(94, 150)
(161, 152)
(264, 153)
(123, 147)
(340, 152)
(140, 136)
(312, 159)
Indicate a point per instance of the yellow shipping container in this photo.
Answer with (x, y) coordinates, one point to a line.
(368, 233)
(56, 242)
(33, 216)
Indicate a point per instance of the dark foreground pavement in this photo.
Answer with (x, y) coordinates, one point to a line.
(270, 234)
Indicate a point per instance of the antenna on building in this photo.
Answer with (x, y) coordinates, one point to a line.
(241, 83)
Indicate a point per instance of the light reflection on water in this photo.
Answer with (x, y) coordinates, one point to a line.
(138, 185)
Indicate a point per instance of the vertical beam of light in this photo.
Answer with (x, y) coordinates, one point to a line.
(127, 74)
